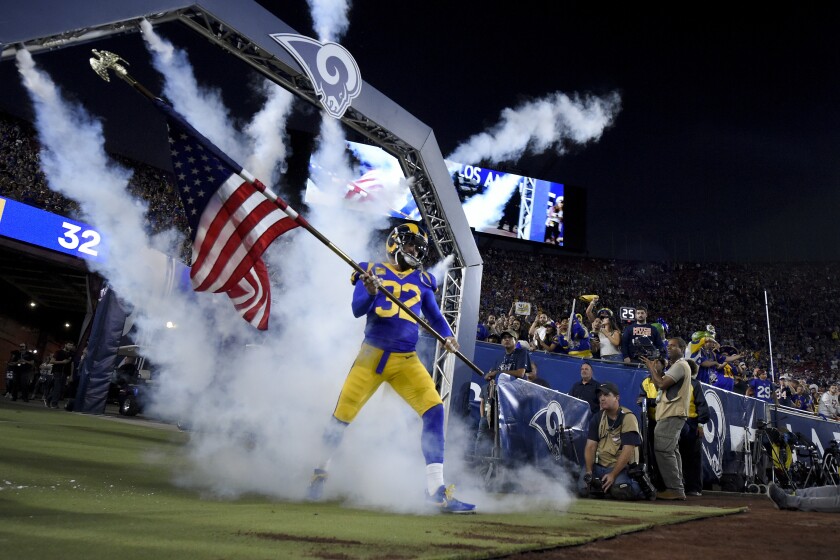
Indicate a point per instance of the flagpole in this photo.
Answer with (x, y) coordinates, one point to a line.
(109, 61)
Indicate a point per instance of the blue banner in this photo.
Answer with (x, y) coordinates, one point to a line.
(538, 426)
(814, 429)
(529, 412)
(732, 418)
(101, 356)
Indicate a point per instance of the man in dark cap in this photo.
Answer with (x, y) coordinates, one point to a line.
(612, 445)
(515, 362)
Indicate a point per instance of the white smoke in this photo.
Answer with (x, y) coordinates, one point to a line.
(262, 146)
(202, 107)
(486, 209)
(537, 126)
(329, 18)
(266, 132)
(76, 165)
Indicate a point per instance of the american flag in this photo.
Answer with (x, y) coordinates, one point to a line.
(363, 187)
(232, 221)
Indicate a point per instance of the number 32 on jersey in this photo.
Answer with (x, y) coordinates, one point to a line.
(401, 292)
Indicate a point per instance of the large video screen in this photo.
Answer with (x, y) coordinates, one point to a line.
(495, 202)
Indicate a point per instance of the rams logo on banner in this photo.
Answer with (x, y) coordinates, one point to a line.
(715, 433)
(549, 422)
(332, 70)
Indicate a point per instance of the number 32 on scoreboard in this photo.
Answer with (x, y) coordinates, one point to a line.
(70, 240)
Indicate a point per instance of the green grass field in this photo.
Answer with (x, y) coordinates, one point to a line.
(79, 486)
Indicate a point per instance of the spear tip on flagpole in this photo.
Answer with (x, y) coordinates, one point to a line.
(102, 61)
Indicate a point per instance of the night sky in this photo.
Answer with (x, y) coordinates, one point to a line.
(725, 147)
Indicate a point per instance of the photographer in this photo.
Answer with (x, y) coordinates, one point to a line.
(672, 408)
(611, 447)
(640, 339)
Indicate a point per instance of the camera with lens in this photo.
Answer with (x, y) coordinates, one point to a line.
(643, 347)
(638, 472)
(594, 488)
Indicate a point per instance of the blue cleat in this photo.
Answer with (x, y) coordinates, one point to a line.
(316, 485)
(444, 500)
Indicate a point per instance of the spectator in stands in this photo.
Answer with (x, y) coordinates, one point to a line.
(707, 361)
(611, 446)
(537, 328)
(552, 341)
(590, 309)
(725, 374)
(577, 337)
(784, 392)
(639, 338)
(501, 325)
(829, 404)
(515, 325)
(761, 386)
(741, 385)
(814, 392)
(594, 341)
(802, 399)
(609, 336)
(587, 388)
(482, 332)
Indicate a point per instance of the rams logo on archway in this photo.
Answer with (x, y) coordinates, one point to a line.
(330, 67)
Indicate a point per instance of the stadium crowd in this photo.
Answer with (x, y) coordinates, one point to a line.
(22, 179)
(685, 298)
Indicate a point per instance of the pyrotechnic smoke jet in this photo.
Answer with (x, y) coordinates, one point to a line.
(538, 126)
(262, 146)
(75, 164)
(329, 18)
(550, 123)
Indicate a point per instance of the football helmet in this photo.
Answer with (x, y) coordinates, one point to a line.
(407, 234)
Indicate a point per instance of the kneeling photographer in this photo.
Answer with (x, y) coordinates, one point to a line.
(612, 452)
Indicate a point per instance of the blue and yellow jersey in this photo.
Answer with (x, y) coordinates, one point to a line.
(650, 391)
(388, 326)
(579, 345)
(762, 389)
(695, 345)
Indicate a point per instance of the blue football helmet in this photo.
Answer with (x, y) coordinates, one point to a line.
(407, 234)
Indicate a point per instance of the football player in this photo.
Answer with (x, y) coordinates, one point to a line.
(388, 356)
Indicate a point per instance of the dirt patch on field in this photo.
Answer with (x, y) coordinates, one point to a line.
(761, 532)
